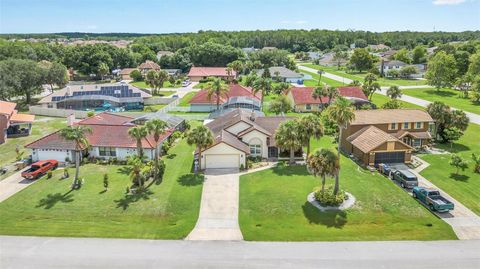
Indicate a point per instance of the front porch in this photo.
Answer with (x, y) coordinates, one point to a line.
(19, 130)
(276, 154)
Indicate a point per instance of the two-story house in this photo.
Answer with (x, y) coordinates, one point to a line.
(386, 135)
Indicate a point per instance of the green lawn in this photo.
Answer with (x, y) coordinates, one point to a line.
(41, 127)
(448, 96)
(379, 100)
(143, 85)
(166, 211)
(328, 81)
(360, 76)
(154, 107)
(273, 207)
(464, 187)
(186, 99)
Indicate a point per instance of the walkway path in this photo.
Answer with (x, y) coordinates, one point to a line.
(474, 118)
(218, 219)
(50, 252)
(13, 184)
(464, 222)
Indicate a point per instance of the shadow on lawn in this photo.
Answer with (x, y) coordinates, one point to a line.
(336, 219)
(52, 199)
(191, 179)
(125, 202)
(441, 93)
(290, 170)
(455, 148)
(459, 177)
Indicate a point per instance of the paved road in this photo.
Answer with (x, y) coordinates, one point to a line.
(218, 219)
(47, 252)
(12, 185)
(474, 118)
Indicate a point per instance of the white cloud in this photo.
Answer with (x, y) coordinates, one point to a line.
(447, 2)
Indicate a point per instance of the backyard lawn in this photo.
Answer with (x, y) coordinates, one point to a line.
(360, 76)
(380, 99)
(273, 207)
(314, 81)
(41, 127)
(165, 211)
(143, 85)
(448, 96)
(185, 99)
(465, 187)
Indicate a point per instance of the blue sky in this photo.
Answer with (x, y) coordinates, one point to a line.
(167, 16)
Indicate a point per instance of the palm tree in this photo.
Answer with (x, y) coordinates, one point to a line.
(319, 92)
(289, 136)
(138, 133)
(237, 66)
(229, 73)
(202, 137)
(263, 85)
(78, 135)
(440, 112)
(218, 88)
(323, 163)
(103, 69)
(250, 79)
(341, 111)
(394, 92)
(312, 128)
(136, 172)
(332, 93)
(157, 128)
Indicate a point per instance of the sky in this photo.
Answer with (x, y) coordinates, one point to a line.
(174, 16)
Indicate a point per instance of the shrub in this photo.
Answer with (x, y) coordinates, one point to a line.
(49, 174)
(105, 181)
(127, 190)
(90, 114)
(65, 173)
(328, 199)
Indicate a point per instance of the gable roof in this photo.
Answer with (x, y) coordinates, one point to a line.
(283, 72)
(22, 117)
(394, 63)
(303, 95)
(106, 118)
(7, 107)
(235, 90)
(209, 72)
(370, 137)
(149, 65)
(382, 116)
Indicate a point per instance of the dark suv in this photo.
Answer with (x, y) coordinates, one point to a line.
(406, 178)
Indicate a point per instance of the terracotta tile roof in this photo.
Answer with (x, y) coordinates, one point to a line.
(419, 135)
(236, 90)
(106, 118)
(22, 117)
(127, 71)
(303, 95)
(209, 72)
(382, 116)
(7, 107)
(370, 137)
(149, 65)
(52, 141)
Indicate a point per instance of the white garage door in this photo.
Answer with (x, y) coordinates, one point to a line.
(222, 161)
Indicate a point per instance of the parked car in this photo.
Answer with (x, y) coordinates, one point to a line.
(175, 96)
(39, 169)
(185, 83)
(384, 169)
(406, 178)
(433, 199)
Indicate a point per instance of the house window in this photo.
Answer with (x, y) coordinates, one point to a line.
(393, 126)
(107, 152)
(255, 150)
(418, 125)
(308, 106)
(405, 125)
(417, 143)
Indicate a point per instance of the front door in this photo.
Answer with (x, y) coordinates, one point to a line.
(272, 152)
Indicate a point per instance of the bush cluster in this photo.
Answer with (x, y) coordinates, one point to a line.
(327, 198)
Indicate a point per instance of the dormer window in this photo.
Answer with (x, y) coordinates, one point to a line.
(393, 126)
(418, 125)
(406, 125)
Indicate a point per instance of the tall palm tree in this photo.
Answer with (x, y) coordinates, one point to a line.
(237, 66)
(440, 112)
(77, 134)
(289, 136)
(250, 79)
(262, 85)
(323, 163)
(157, 128)
(332, 93)
(312, 128)
(136, 172)
(218, 88)
(394, 92)
(319, 92)
(138, 133)
(341, 112)
(202, 137)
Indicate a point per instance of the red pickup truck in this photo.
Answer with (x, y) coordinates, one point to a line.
(39, 169)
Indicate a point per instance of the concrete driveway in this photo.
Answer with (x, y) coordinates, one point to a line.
(218, 219)
(13, 184)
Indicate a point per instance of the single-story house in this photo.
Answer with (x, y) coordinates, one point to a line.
(201, 103)
(283, 74)
(109, 139)
(386, 135)
(328, 59)
(173, 72)
(303, 101)
(162, 53)
(100, 97)
(386, 66)
(239, 134)
(200, 73)
(314, 55)
(379, 47)
(147, 66)
(12, 123)
(174, 122)
(125, 73)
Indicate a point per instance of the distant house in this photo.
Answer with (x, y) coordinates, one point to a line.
(200, 73)
(13, 124)
(162, 53)
(328, 59)
(269, 48)
(385, 66)
(109, 139)
(379, 47)
(125, 73)
(147, 66)
(173, 72)
(201, 103)
(239, 134)
(313, 55)
(174, 122)
(387, 55)
(386, 135)
(302, 100)
(284, 74)
(99, 97)
(248, 50)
